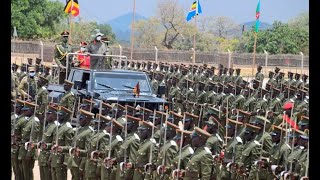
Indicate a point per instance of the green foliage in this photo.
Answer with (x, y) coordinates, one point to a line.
(281, 39)
(35, 19)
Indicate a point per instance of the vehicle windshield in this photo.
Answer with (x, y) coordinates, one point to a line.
(120, 82)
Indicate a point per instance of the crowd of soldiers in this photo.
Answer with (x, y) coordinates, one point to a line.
(218, 126)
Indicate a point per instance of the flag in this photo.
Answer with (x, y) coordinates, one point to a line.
(257, 17)
(194, 10)
(136, 90)
(72, 7)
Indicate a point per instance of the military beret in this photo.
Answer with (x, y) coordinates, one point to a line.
(304, 120)
(171, 126)
(69, 82)
(86, 114)
(251, 128)
(200, 132)
(232, 123)
(288, 105)
(260, 120)
(277, 130)
(65, 33)
(28, 105)
(179, 133)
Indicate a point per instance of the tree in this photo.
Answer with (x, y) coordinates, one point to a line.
(300, 22)
(147, 33)
(36, 19)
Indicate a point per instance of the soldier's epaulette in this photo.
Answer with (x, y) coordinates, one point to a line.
(91, 128)
(136, 136)
(69, 124)
(239, 139)
(119, 138)
(190, 150)
(36, 119)
(207, 150)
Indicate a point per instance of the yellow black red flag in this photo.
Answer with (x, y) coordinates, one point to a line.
(72, 7)
(136, 90)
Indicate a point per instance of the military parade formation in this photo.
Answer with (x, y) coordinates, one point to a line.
(219, 125)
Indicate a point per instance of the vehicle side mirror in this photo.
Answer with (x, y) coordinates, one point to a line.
(77, 85)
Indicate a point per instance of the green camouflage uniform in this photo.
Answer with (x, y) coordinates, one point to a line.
(68, 100)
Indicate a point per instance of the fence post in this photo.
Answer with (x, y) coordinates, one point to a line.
(120, 51)
(266, 62)
(41, 44)
(193, 56)
(229, 60)
(156, 56)
(301, 62)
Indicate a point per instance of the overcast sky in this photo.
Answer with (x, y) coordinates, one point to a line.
(239, 10)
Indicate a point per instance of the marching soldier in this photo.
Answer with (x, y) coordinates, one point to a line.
(167, 152)
(27, 152)
(27, 86)
(237, 78)
(276, 73)
(60, 53)
(146, 150)
(130, 146)
(61, 144)
(42, 97)
(17, 125)
(272, 80)
(23, 71)
(155, 83)
(78, 153)
(259, 76)
(45, 143)
(46, 74)
(68, 99)
(201, 161)
(112, 151)
(95, 146)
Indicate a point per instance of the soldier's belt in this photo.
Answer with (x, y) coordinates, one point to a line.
(192, 174)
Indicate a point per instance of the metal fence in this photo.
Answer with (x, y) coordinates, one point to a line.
(228, 59)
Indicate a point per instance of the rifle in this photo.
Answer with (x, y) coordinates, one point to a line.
(227, 111)
(29, 144)
(292, 144)
(44, 124)
(234, 137)
(264, 130)
(164, 142)
(125, 135)
(77, 128)
(14, 110)
(151, 146)
(200, 115)
(92, 157)
(180, 147)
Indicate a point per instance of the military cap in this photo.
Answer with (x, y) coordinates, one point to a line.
(260, 120)
(87, 102)
(19, 102)
(277, 69)
(271, 72)
(161, 75)
(28, 105)
(68, 82)
(254, 81)
(38, 60)
(86, 114)
(288, 105)
(171, 126)
(133, 119)
(200, 132)
(190, 116)
(289, 72)
(15, 65)
(179, 134)
(259, 67)
(297, 74)
(220, 66)
(64, 111)
(251, 128)
(281, 73)
(245, 82)
(147, 125)
(232, 123)
(295, 133)
(52, 108)
(31, 68)
(277, 130)
(65, 33)
(304, 76)
(304, 120)
(238, 69)
(44, 79)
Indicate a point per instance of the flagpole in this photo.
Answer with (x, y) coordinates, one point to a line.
(254, 52)
(132, 29)
(70, 28)
(194, 40)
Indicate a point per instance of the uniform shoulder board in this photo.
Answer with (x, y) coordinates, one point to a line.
(178, 88)
(68, 125)
(190, 89)
(15, 115)
(119, 138)
(136, 136)
(105, 132)
(153, 140)
(219, 138)
(239, 139)
(291, 100)
(257, 143)
(56, 123)
(91, 128)
(288, 146)
(124, 119)
(36, 119)
(301, 147)
(44, 88)
(71, 93)
(207, 150)
(190, 150)
(173, 143)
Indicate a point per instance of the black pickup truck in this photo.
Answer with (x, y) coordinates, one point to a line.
(113, 86)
